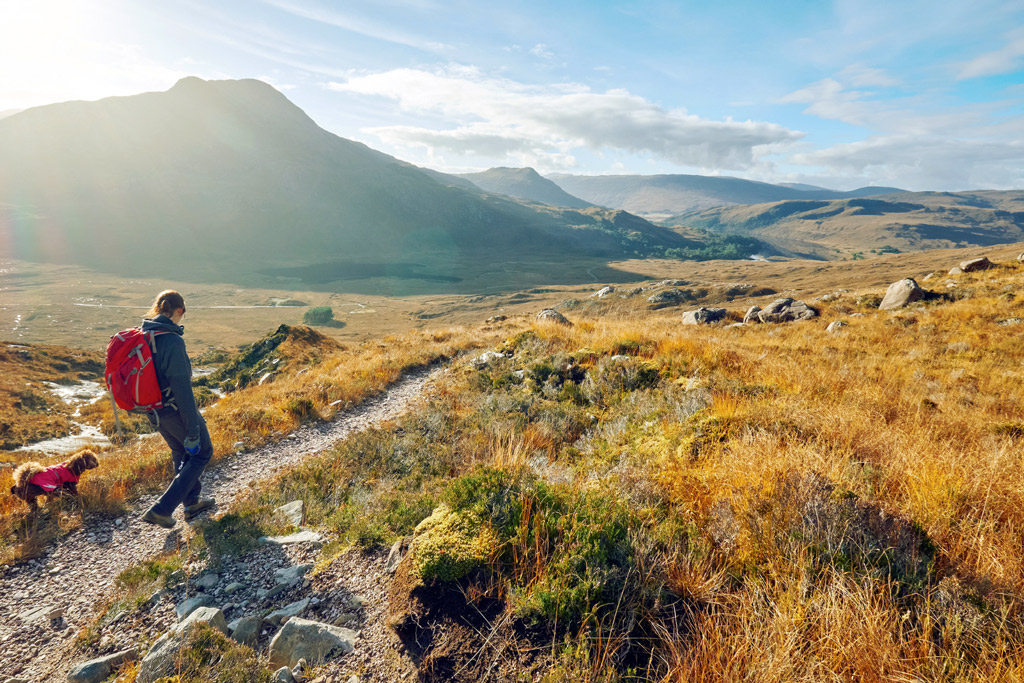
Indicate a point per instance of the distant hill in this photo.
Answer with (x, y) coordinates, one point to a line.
(910, 221)
(524, 183)
(217, 179)
(676, 194)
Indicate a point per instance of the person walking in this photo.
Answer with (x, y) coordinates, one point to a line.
(179, 421)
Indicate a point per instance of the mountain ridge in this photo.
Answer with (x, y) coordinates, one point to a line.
(524, 183)
(211, 177)
(668, 194)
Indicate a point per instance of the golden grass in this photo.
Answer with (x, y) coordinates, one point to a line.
(253, 416)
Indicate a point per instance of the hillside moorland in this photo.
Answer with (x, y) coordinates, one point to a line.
(629, 498)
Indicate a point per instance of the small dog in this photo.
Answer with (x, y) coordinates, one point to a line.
(32, 479)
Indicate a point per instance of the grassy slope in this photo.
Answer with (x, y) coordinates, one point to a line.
(768, 503)
(907, 221)
(765, 503)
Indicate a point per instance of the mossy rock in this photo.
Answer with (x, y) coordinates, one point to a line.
(448, 545)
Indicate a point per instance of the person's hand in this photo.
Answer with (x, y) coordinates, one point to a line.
(192, 445)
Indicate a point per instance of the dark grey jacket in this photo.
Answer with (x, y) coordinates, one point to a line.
(174, 372)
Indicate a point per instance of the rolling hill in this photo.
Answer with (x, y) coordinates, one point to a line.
(676, 194)
(905, 222)
(218, 179)
(524, 183)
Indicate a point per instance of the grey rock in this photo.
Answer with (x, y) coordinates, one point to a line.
(310, 640)
(293, 513)
(675, 283)
(267, 594)
(207, 581)
(603, 292)
(96, 670)
(55, 613)
(976, 264)
(1021, 257)
(553, 316)
(233, 587)
(189, 606)
(485, 359)
(703, 316)
(246, 630)
(835, 326)
(1010, 321)
(307, 536)
(161, 659)
(901, 293)
(669, 296)
(266, 378)
(284, 675)
(751, 315)
(496, 319)
(396, 554)
(41, 613)
(955, 270)
(296, 609)
(353, 679)
(786, 310)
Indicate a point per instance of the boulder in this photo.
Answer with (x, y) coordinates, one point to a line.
(283, 675)
(96, 670)
(976, 264)
(669, 296)
(246, 630)
(292, 575)
(496, 319)
(485, 359)
(191, 605)
(207, 581)
(552, 316)
(786, 310)
(603, 292)
(955, 270)
(293, 513)
(751, 315)
(1021, 257)
(296, 609)
(835, 326)
(311, 537)
(703, 316)
(234, 587)
(901, 293)
(310, 640)
(162, 657)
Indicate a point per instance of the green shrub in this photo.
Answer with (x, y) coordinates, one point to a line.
(209, 656)
(318, 315)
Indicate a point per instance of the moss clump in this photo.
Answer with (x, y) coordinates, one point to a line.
(448, 545)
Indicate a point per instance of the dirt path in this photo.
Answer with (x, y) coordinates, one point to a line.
(79, 572)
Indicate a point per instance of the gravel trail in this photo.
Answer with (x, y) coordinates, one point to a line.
(78, 572)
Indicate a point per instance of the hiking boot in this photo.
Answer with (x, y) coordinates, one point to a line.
(193, 510)
(166, 521)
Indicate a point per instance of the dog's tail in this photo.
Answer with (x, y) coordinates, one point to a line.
(23, 475)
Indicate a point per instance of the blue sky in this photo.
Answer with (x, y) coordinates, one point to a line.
(920, 95)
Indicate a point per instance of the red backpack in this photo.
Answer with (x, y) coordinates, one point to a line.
(131, 375)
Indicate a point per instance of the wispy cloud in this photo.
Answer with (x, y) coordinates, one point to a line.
(502, 115)
(355, 24)
(931, 162)
(1007, 59)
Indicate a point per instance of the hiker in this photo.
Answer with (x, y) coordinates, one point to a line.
(179, 421)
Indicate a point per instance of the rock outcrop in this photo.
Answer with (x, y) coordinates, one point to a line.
(901, 293)
(786, 310)
(309, 640)
(976, 264)
(552, 316)
(751, 315)
(703, 316)
(160, 660)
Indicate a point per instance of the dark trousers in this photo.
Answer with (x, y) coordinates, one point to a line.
(186, 486)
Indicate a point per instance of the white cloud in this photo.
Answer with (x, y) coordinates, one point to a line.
(552, 120)
(929, 162)
(541, 50)
(1006, 59)
(360, 25)
(863, 76)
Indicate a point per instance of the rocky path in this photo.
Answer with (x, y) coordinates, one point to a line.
(79, 571)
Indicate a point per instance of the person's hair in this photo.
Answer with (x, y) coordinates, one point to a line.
(166, 303)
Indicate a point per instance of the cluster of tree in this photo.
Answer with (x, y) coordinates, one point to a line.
(719, 247)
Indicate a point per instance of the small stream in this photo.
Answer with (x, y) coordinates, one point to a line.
(77, 395)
